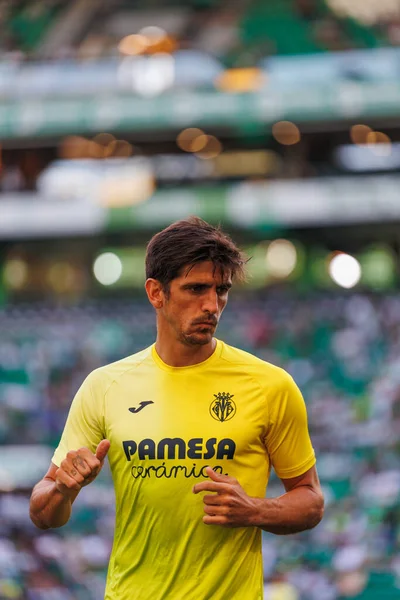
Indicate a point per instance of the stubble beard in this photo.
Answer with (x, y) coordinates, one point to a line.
(195, 339)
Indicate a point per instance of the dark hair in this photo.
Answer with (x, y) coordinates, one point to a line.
(188, 242)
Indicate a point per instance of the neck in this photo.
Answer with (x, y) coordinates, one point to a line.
(177, 354)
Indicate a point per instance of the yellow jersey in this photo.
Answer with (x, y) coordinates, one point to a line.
(233, 412)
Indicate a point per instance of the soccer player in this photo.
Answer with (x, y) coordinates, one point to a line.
(192, 428)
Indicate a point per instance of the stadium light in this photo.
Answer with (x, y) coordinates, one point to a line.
(359, 133)
(281, 258)
(211, 149)
(15, 273)
(133, 44)
(199, 143)
(286, 133)
(107, 268)
(345, 270)
(106, 142)
(379, 266)
(241, 80)
(187, 139)
(73, 147)
(61, 277)
(147, 76)
(153, 34)
(379, 143)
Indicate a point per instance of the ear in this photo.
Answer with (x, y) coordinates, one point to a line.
(155, 293)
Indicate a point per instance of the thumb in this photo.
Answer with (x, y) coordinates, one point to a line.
(102, 449)
(217, 476)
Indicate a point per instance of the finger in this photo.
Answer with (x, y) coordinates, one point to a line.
(102, 449)
(63, 478)
(80, 464)
(215, 510)
(219, 476)
(211, 486)
(216, 520)
(89, 458)
(67, 467)
(86, 455)
(214, 499)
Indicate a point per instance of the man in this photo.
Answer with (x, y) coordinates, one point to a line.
(191, 427)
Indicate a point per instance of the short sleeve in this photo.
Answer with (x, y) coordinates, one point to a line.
(85, 422)
(288, 441)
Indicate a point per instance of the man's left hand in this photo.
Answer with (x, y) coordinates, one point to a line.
(229, 506)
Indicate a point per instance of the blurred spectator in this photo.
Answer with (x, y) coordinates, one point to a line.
(11, 179)
(278, 588)
(307, 9)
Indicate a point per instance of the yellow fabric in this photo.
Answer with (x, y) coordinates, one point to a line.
(234, 412)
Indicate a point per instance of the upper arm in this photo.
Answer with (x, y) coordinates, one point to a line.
(287, 439)
(308, 479)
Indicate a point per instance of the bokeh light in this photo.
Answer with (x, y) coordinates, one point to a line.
(107, 268)
(105, 143)
(121, 149)
(211, 149)
(379, 143)
(191, 138)
(281, 258)
(133, 44)
(61, 277)
(240, 80)
(345, 270)
(73, 147)
(359, 134)
(95, 150)
(104, 139)
(153, 34)
(286, 133)
(378, 265)
(15, 273)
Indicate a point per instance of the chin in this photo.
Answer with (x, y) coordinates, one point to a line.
(195, 339)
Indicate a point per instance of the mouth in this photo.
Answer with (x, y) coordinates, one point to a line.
(205, 324)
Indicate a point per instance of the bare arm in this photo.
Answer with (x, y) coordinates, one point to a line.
(300, 508)
(52, 498)
(48, 506)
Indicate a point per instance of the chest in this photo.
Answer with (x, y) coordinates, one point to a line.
(185, 417)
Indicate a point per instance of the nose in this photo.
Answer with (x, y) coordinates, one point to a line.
(210, 304)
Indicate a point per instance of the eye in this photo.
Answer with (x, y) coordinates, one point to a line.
(223, 289)
(197, 289)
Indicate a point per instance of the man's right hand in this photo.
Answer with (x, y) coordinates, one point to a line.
(79, 468)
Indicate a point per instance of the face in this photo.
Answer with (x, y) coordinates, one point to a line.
(192, 308)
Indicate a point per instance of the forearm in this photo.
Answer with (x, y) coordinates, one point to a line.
(297, 510)
(49, 507)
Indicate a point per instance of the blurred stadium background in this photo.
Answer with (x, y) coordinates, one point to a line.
(281, 120)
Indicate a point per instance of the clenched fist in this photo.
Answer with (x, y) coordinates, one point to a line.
(79, 468)
(230, 506)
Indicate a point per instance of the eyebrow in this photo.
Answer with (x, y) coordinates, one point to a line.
(186, 286)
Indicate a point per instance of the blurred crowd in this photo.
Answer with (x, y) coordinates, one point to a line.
(342, 350)
(239, 34)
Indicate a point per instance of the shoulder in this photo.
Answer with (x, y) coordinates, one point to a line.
(265, 372)
(104, 376)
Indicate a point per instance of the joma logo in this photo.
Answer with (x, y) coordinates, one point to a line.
(142, 405)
